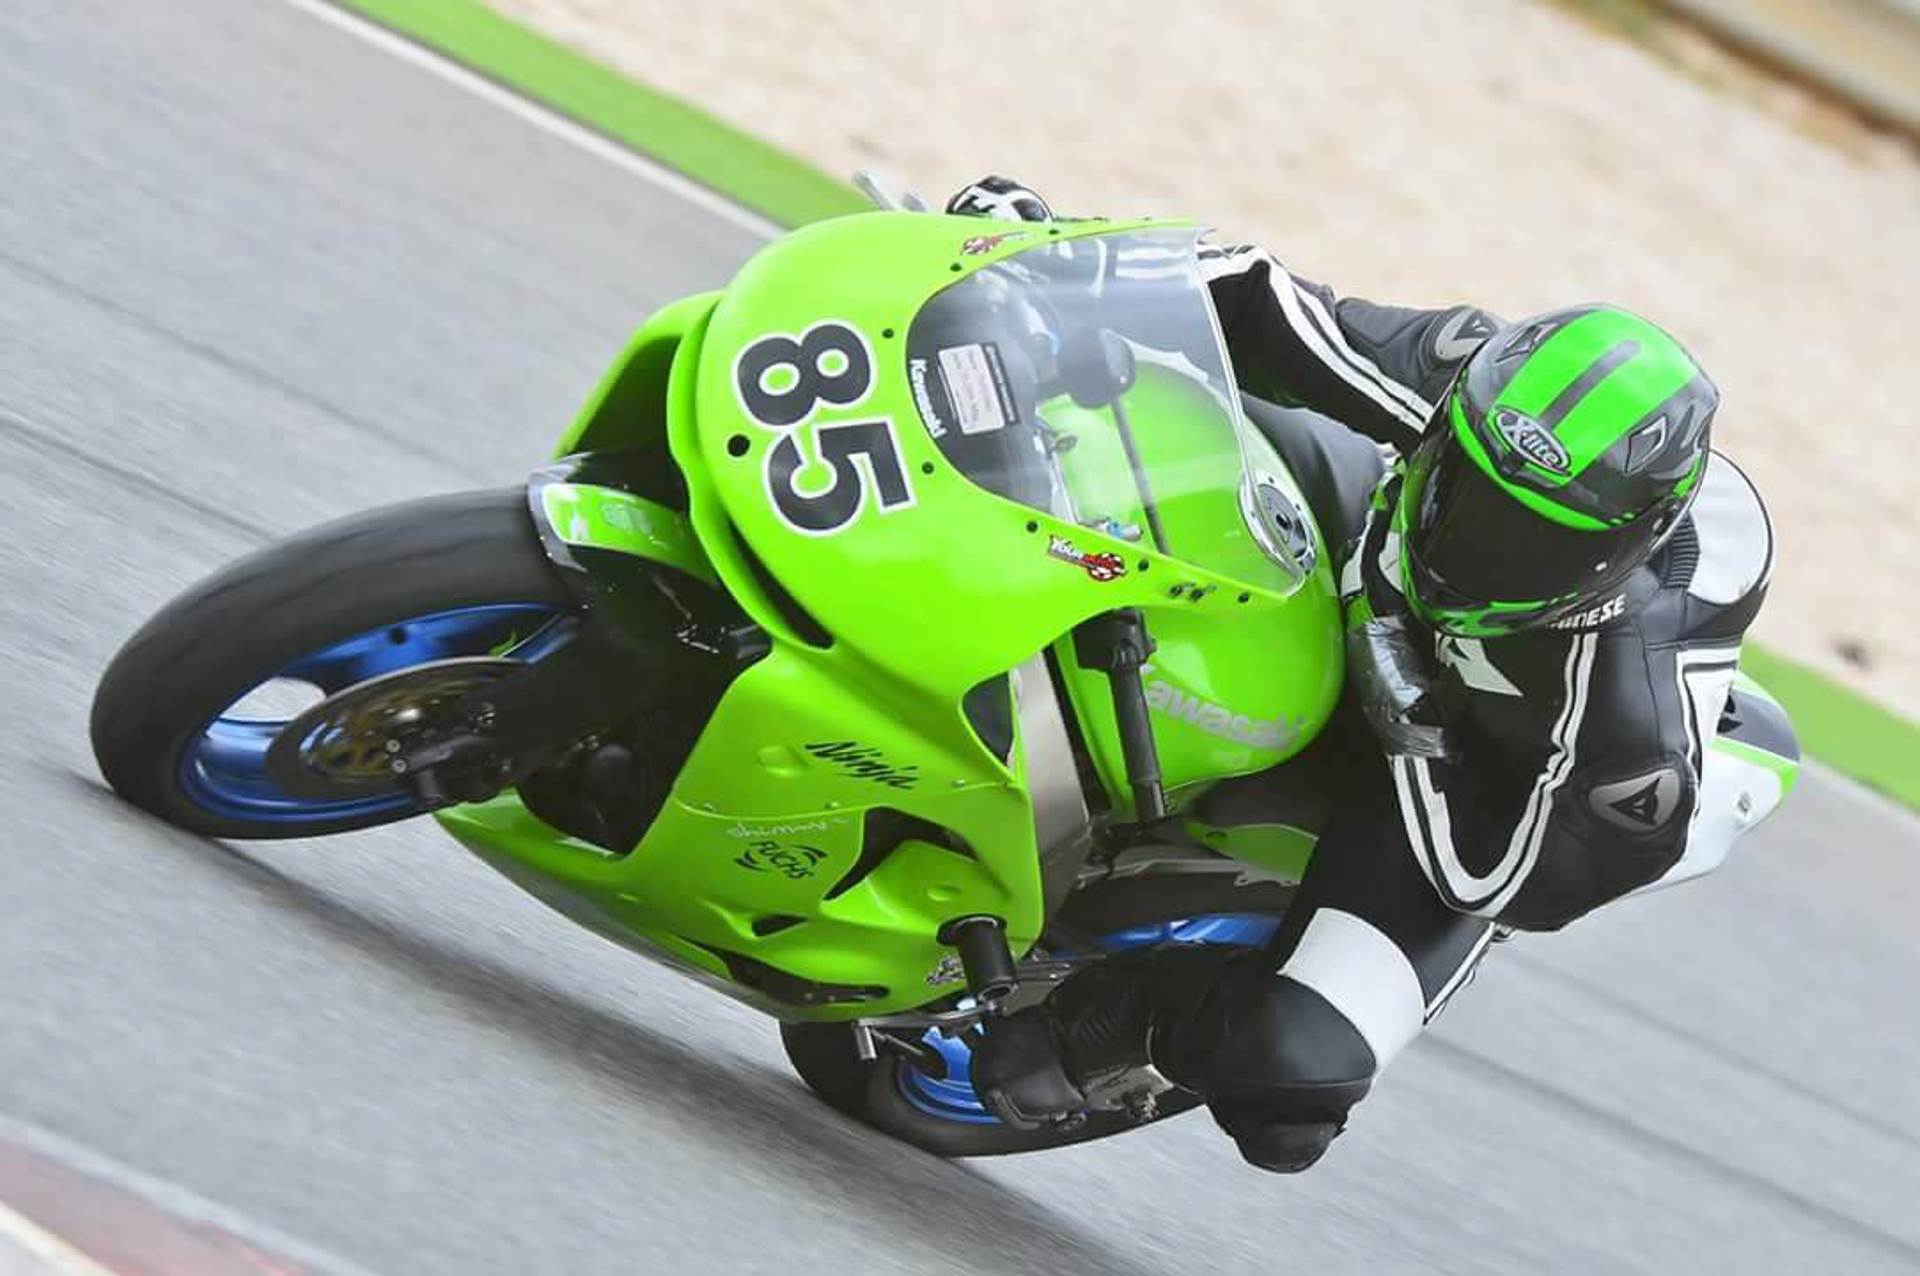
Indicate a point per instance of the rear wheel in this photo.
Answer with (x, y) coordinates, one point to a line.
(933, 1105)
(359, 633)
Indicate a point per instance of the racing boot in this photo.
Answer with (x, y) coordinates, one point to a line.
(1042, 1065)
(1277, 1064)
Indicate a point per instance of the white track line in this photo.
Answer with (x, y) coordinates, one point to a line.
(540, 117)
(170, 1198)
(50, 1255)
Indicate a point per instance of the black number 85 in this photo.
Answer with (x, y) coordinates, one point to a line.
(830, 364)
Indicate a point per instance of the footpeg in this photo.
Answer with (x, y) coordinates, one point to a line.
(982, 943)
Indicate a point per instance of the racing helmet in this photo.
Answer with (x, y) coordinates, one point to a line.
(1562, 456)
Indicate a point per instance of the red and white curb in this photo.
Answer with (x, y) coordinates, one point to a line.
(66, 1210)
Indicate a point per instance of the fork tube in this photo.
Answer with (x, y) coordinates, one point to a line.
(1117, 643)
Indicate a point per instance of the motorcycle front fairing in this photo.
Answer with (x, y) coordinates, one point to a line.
(877, 771)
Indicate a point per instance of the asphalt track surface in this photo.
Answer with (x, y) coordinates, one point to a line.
(255, 273)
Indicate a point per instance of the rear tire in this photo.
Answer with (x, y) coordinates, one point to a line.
(871, 1091)
(242, 626)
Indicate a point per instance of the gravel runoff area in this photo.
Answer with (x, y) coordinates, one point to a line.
(1504, 152)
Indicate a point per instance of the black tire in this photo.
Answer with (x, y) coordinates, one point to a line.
(824, 1054)
(243, 624)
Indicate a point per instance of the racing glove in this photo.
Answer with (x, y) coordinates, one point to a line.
(1002, 199)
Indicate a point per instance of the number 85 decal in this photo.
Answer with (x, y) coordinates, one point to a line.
(782, 381)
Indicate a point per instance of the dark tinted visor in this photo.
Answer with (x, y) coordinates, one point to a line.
(1475, 545)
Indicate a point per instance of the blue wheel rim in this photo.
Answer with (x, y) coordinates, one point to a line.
(952, 1097)
(223, 769)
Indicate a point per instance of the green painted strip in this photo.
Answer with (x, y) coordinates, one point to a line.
(1845, 730)
(1788, 769)
(1842, 728)
(1561, 358)
(1627, 397)
(743, 168)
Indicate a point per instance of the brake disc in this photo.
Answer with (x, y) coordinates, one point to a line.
(366, 738)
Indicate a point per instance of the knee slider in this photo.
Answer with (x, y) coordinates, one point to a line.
(1280, 1050)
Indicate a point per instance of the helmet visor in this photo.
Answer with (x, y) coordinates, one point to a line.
(1479, 561)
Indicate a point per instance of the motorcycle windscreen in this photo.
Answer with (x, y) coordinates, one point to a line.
(1087, 378)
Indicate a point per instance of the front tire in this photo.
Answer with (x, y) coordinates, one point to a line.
(410, 584)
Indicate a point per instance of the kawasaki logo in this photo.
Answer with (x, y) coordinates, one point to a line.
(1533, 440)
(1216, 720)
(917, 376)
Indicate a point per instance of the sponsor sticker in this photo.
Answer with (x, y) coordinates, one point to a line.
(1533, 440)
(795, 862)
(1611, 609)
(758, 829)
(917, 373)
(949, 971)
(976, 388)
(979, 244)
(1100, 565)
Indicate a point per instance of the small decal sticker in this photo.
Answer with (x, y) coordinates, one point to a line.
(743, 830)
(949, 971)
(976, 388)
(979, 244)
(917, 372)
(860, 762)
(1641, 804)
(1533, 441)
(794, 862)
(1612, 609)
(1102, 566)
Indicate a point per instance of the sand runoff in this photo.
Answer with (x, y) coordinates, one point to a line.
(1502, 152)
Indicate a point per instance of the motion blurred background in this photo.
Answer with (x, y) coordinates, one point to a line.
(1713, 173)
(263, 263)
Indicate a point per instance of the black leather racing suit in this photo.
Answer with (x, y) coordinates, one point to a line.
(1579, 749)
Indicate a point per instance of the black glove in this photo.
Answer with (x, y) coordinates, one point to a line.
(1002, 199)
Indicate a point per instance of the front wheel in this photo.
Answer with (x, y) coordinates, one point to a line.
(935, 1107)
(187, 715)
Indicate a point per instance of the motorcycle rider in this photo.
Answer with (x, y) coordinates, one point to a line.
(1545, 602)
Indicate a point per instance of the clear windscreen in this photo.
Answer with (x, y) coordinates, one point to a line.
(1087, 378)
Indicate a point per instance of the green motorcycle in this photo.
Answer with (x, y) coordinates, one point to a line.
(899, 630)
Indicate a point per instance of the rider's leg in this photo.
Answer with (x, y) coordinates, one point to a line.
(1282, 1045)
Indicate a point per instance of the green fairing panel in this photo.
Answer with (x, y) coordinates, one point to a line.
(593, 517)
(628, 406)
(924, 584)
(1225, 699)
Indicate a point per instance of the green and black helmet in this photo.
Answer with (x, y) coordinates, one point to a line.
(1562, 457)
